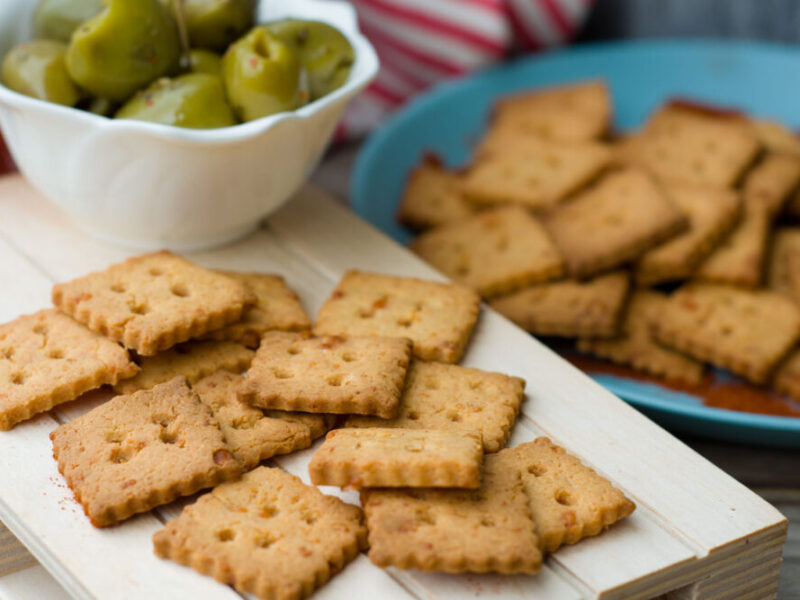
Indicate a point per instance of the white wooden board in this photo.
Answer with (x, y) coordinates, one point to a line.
(694, 531)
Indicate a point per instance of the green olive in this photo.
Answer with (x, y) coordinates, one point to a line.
(37, 69)
(57, 19)
(203, 61)
(325, 53)
(263, 76)
(126, 46)
(195, 100)
(215, 24)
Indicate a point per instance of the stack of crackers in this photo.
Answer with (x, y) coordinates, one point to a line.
(663, 250)
(216, 372)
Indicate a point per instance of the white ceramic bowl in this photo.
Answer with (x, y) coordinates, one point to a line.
(147, 185)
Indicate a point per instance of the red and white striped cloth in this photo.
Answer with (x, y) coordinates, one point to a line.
(421, 42)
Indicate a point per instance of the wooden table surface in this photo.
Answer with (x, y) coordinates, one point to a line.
(774, 474)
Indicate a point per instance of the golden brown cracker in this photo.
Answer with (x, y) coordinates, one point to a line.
(151, 302)
(494, 252)
(456, 531)
(786, 379)
(450, 397)
(775, 136)
(383, 457)
(355, 375)
(770, 183)
(437, 317)
(267, 534)
(569, 308)
(783, 273)
(432, 196)
(139, 451)
(47, 359)
(747, 332)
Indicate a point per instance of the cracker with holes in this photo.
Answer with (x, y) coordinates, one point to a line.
(151, 302)
(636, 348)
(437, 317)
(577, 112)
(251, 435)
(494, 252)
(681, 143)
(329, 374)
(432, 196)
(268, 534)
(318, 423)
(456, 531)
(192, 360)
(740, 258)
(783, 274)
(617, 220)
(276, 307)
(531, 172)
(47, 359)
(712, 213)
(454, 398)
(385, 457)
(770, 183)
(747, 332)
(568, 500)
(139, 451)
(569, 308)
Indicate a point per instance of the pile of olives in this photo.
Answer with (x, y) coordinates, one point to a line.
(189, 63)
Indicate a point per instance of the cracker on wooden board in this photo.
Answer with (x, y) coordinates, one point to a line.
(328, 374)
(456, 531)
(267, 534)
(432, 196)
(569, 308)
(251, 435)
(783, 272)
(770, 182)
(577, 112)
(636, 348)
(381, 457)
(619, 218)
(139, 451)
(277, 306)
(775, 136)
(747, 332)
(712, 213)
(568, 500)
(786, 379)
(437, 317)
(192, 360)
(681, 143)
(450, 397)
(46, 359)
(151, 302)
(535, 173)
(494, 252)
(740, 256)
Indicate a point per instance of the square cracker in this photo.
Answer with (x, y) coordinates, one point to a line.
(622, 216)
(139, 451)
(318, 423)
(47, 359)
(449, 397)
(786, 379)
(569, 308)
(636, 348)
(267, 534)
(329, 374)
(682, 143)
(437, 317)
(712, 213)
(382, 457)
(493, 252)
(154, 301)
(576, 112)
(568, 500)
(783, 273)
(192, 360)
(456, 531)
(771, 181)
(251, 435)
(432, 196)
(739, 258)
(277, 306)
(747, 332)
(775, 136)
(535, 173)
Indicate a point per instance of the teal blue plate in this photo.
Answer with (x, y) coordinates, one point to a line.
(761, 79)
